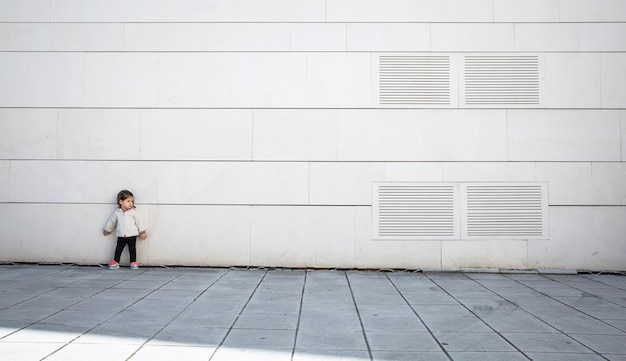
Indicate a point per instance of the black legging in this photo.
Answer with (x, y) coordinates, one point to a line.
(121, 243)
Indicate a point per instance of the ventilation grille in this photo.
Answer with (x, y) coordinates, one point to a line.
(443, 211)
(502, 80)
(414, 80)
(415, 211)
(504, 211)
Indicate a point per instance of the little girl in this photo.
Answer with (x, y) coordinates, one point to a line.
(128, 225)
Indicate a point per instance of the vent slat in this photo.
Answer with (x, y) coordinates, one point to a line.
(407, 211)
(505, 211)
(415, 80)
(502, 80)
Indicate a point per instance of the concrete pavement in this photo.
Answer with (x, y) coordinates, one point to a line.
(68, 312)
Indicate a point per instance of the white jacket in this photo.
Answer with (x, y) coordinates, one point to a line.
(126, 224)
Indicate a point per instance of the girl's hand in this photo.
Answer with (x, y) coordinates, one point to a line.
(143, 235)
(106, 233)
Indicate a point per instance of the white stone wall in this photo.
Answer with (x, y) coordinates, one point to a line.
(250, 131)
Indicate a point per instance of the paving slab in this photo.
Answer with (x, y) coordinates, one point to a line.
(168, 352)
(64, 312)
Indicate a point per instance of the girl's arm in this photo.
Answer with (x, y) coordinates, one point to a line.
(142, 229)
(110, 225)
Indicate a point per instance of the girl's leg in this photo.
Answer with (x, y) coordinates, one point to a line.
(132, 248)
(121, 242)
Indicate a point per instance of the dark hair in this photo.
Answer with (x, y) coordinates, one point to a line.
(123, 194)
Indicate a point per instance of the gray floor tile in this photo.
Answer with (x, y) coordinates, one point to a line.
(408, 356)
(386, 288)
(12, 298)
(223, 294)
(561, 356)
(519, 323)
(277, 297)
(217, 305)
(369, 278)
(499, 283)
(39, 333)
(74, 317)
(181, 335)
(548, 311)
(25, 314)
(488, 356)
(74, 292)
(613, 280)
(620, 325)
(236, 284)
(561, 291)
(261, 339)
(159, 305)
(188, 284)
(604, 344)
(274, 308)
(492, 306)
(408, 276)
(577, 323)
(620, 300)
(430, 298)
(545, 342)
(110, 299)
(246, 354)
(142, 317)
(437, 311)
(337, 278)
(584, 300)
(50, 302)
(456, 324)
(330, 355)
(486, 342)
(392, 323)
(174, 294)
(267, 321)
(95, 283)
(374, 309)
(168, 352)
(143, 274)
(329, 309)
(205, 318)
(331, 339)
(401, 341)
(329, 298)
(141, 284)
(277, 287)
(285, 276)
(371, 297)
(78, 352)
(323, 287)
(323, 320)
(120, 334)
(532, 300)
(605, 311)
(614, 357)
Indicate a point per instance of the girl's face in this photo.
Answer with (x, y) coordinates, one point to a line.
(127, 203)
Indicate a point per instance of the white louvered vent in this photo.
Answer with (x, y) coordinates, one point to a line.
(415, 211)
(445, 211)
(414, 80)
(505, 80)
(511, 210)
